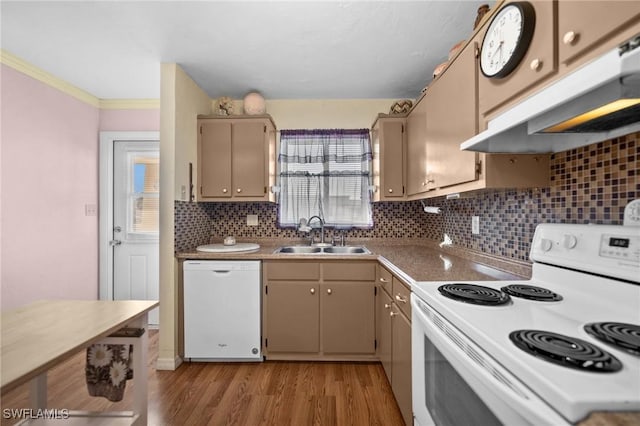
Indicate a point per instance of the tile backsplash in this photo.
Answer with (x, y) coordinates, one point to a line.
(588, 185)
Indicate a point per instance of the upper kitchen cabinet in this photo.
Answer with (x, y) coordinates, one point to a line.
(389, 145)
(587, 29)
(511, 64)
(416, 171)
(236, 158)
(451, 106)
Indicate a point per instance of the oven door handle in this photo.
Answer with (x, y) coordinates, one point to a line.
(478, 368)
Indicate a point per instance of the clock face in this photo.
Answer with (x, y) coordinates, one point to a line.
(507, 39)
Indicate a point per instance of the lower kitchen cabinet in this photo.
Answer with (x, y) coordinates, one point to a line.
(293, 317)
(401, 363)
(394, 339)
(319, 310)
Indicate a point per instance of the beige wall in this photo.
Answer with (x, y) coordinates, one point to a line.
(181, 101)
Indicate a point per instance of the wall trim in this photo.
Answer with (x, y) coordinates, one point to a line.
(129, 103)
(168, 363)
(51, 80)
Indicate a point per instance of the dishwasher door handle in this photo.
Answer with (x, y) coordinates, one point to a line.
(225, 271)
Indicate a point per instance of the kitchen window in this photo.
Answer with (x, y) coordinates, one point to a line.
(325, 173)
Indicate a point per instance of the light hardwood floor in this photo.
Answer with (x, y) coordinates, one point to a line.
(269, 393)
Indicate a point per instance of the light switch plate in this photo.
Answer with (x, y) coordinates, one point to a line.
(475, 225)
(90, 210)
(252, 220)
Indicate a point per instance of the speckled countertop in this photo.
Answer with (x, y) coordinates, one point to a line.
(410, 259)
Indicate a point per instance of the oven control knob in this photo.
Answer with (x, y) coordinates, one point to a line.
(569, 241)
(546, 244)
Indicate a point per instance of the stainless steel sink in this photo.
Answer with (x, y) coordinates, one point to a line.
(299, 249)
(347, 250)
(322, 250)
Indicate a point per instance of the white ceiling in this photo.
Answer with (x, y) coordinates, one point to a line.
(285, 50)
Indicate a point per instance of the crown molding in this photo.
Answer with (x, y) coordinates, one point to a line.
(46, 78)
(51, 80)
(129, 103)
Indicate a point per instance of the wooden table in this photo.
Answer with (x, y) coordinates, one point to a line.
(38, 336)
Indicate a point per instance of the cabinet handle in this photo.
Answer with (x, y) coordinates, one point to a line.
(313, 291)
(238, 190)
(387, 306)
(329, 291)
(400, 299)
(570, 37)
(382, 280)
(390, 190)
(536, 64)
(224, 190)
(393, 314)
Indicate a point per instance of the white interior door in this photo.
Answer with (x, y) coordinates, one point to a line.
(136, 202)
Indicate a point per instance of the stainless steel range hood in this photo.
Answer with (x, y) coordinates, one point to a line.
(574, 111)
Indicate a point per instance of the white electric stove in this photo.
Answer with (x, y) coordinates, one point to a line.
(548, 350)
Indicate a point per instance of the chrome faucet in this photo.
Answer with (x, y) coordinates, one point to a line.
(305, 226)
(321, 227)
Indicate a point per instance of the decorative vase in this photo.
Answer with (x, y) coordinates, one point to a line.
(254, 104)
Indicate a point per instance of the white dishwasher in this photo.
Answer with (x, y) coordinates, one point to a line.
(222, 310)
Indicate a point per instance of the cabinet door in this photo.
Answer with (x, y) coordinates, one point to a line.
(452, 117)
(249, 159)
(583, 25)
(392, 159)
(292, 317)
(214, 159)
(401, 367)
(417, 149)
(348, 317)
(383, 335)
(538, 64)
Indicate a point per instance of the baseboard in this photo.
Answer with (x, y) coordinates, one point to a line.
(168, 363)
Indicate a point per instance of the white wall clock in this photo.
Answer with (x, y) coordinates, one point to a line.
(507, 39)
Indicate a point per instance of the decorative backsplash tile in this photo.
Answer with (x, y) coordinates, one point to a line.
(588, 185)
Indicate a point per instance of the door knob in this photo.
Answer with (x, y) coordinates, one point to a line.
(115, 243)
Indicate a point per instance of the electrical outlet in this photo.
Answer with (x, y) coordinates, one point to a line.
(252, 220)
(475, 225)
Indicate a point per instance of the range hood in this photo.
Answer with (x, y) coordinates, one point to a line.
(561, 116)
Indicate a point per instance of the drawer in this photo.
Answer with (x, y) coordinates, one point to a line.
(402, 296)
(301, 270)
(384, 279)
(349, 271)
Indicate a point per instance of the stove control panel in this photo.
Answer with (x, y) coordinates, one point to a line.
(609, 250)
(622, 247)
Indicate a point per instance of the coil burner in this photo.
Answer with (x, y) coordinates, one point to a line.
(473, 293)
(565, 350)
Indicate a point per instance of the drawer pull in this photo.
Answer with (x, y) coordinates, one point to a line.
(390, 190)
(312, 291)
(224, 190)
(329, 291)
(400, 299)
(239, 190)
(393, 314)
(382, 280)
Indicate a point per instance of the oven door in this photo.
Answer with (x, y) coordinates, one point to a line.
(455, 382)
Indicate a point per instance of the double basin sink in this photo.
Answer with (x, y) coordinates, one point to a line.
(322, 250)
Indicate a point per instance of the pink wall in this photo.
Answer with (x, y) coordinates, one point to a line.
(138, 120)
(49, 172)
